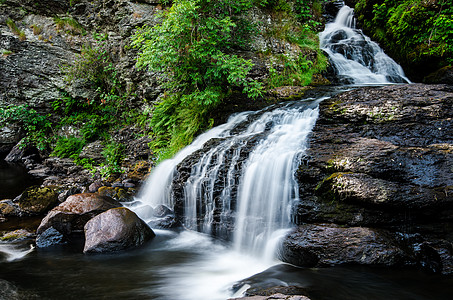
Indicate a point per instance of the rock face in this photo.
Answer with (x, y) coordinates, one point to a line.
(381, 158)
(115, 230)
(326, 245)
(71, 216)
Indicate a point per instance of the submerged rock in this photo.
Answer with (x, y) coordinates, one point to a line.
(50, 237)
(115, 230)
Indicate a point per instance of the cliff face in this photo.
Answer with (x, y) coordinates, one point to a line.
(39, 41)
(380, 159)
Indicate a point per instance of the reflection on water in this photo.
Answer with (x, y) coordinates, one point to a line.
(14, 179)
(188, 265)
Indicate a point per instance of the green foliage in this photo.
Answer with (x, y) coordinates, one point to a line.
(69, 25)
(190, 50)
(6, 52)
(68, 147)
(14, 29)
(96, 65)
(113, 153)
(36, 127)
(414, 30)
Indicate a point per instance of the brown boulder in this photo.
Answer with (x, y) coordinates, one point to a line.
(115, 230)
(72, 214)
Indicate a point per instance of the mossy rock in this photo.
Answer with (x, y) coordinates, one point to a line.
(117, 193)
(16, 235)
(7, 208)
(37, 200)
(139, 170)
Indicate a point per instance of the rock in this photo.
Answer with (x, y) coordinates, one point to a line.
(443, 75)
(71, 215)
(273, 296)
(37, 200)
(116, 193)
(326, 245)
(93, 151)
(278, 290)
(50, 237)
(10, 135)
(16, 235)
(93, 188)
(381, 157)
(9, 208)
(115, 230)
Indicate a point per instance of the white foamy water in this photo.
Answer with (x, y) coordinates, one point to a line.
(12, 252)
(242, 186)
(355, 57)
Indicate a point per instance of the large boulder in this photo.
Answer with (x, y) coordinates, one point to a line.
(115, 230)
(325, 245)
(71, 216)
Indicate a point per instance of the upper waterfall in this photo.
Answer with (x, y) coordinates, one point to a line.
(355, 58)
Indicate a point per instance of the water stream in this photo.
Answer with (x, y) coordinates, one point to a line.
(354, 56)
(232, 189)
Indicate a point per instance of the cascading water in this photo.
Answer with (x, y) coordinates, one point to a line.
(243, 183)
(355, 58)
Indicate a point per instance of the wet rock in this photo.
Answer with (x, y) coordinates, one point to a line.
(37, 200)
(443, 75)
(273, 296)
(50, 237)
(115, 230)
(71, 215)
(381, 157)
(16, 235)
(325, 245)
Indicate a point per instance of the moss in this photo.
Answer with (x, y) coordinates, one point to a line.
(15, 235)
(38, 200)
(14, 29)
(139, 170)
(69, 25)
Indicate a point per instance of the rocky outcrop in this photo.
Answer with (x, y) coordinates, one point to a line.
(383, 158)
(327, 245)
(115, 230)
(33, 201)
(71, 216)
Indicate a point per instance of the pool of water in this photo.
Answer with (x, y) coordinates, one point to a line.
(14, 179)
(188, 265)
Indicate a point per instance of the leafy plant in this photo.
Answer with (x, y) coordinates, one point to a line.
(36, 126)
(190, 50)
(416, 32)
(69, 147)
(70, 25)
(14, 29)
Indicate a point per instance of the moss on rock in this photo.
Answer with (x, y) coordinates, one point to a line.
(38, 200)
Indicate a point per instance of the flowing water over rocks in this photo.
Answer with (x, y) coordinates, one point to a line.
(354, 57)
(240, 184)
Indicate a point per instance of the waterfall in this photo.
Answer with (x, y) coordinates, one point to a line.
(355, 58)
(237, 180)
